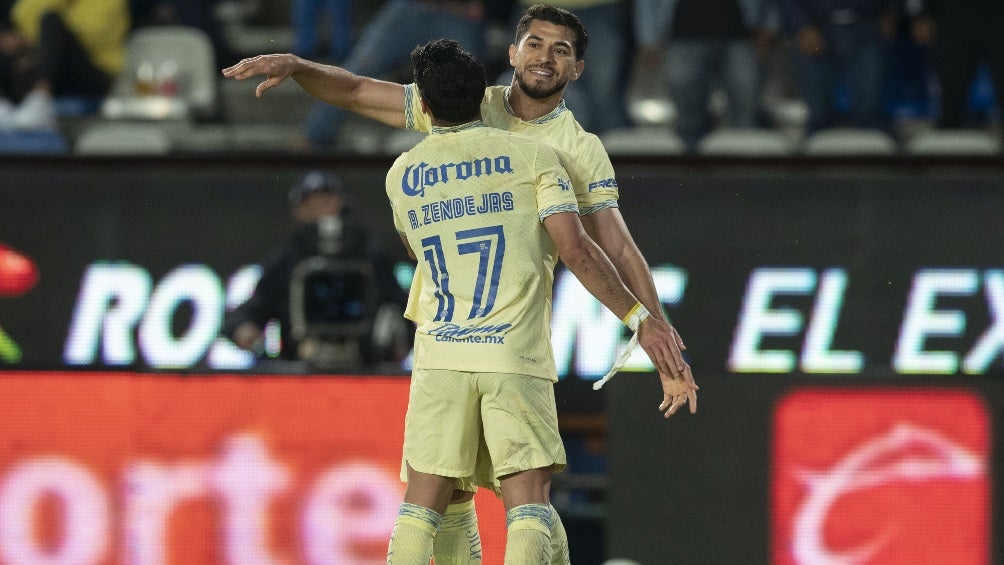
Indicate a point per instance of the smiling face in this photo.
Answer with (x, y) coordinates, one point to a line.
(544, 60)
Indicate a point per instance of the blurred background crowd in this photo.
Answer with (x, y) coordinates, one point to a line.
(746, 77)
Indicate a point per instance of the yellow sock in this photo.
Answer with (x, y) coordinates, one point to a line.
(559, 540)
(529, 539)
(458, 541)
(413, 535)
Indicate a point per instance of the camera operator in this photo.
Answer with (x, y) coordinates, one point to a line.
(332, 291)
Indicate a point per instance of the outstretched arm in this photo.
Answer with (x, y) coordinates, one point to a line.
(375, 99)
(608, 230)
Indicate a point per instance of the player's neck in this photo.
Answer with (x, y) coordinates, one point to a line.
(527, 108)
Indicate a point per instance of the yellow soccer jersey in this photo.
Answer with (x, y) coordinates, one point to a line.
(580, 152)
(470, 201)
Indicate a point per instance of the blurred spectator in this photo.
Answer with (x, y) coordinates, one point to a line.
(5, 22)
(324, 232)
(334, 17)
(58, 48)
(386, 44)
(963, 34)
(908, 95)
(840, 43)
(708, 43)
(192, 13)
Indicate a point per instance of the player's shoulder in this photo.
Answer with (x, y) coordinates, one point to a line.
(565, 131)
(494, 94)
(400, 163)
(580, 135)
(585, 143)
(403, 158)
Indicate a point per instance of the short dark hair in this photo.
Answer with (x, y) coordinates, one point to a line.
(557, 16)
(450, 80)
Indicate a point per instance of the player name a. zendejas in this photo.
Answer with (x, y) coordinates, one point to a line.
(450, 208)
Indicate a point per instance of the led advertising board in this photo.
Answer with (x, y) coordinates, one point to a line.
(775, 270)
(127, 468)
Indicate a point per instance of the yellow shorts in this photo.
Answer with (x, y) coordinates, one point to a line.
(478, 427)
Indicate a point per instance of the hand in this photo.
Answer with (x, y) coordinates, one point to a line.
(664, 346)
(888, 23)
(810, 41)
(650, 57)
(923, 30)
(275, 68)
(763, 43)
(677, 392)
(11, 42)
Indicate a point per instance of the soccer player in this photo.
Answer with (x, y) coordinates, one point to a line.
(486, 213)
(547, 53)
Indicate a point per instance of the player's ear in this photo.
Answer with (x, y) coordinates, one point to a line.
(512, 55)
(580, 65)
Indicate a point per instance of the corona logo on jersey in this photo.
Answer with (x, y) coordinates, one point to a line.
(891, 477)
(18, 275)
(417, 178)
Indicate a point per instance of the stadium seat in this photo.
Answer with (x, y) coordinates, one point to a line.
(123, 138)
(954, 143)
(653, 140)
(746, 142)
(652, 111)
(262, 137)
(77, 106)
(170, 73)
(849, 141)
(787, 113)
(33, 143)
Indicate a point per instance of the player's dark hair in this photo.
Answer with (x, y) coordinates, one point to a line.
(557, 16)
(451, 80)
